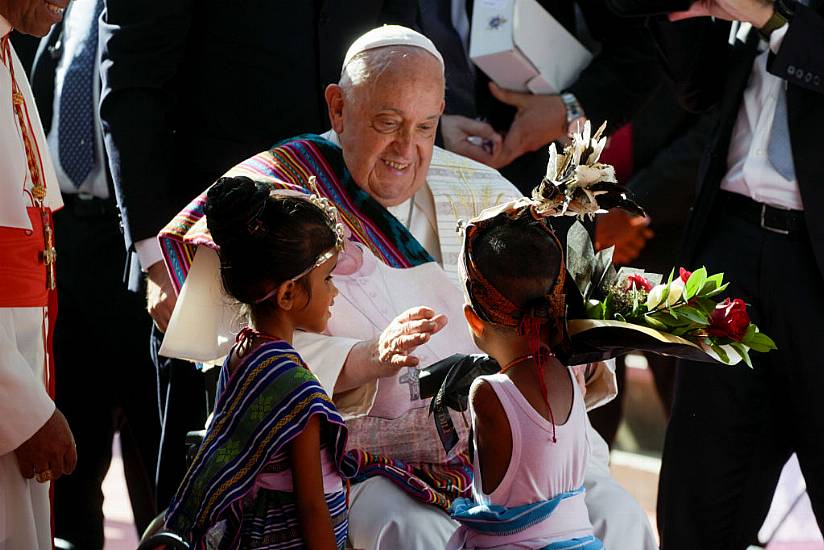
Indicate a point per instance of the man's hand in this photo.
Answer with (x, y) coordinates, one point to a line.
(405, 333)
(456, 129)
(628, 233)
(755, 12)
(541, 119)
(160, 295)
(50, 448)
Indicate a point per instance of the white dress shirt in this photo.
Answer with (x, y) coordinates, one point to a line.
(749, 171)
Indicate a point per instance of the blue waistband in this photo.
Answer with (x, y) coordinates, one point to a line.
(494, 519)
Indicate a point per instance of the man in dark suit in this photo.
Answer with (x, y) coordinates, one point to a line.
(105, 380)
(189, 90)
(757, 219)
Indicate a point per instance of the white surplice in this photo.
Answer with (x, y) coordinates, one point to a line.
(371, 294)
(24, 401)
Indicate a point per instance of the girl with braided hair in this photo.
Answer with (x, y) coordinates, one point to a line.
(270, 471)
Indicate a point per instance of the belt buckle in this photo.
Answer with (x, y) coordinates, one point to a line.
(769, 228)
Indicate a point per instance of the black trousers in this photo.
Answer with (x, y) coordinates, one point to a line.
(105, 381)
(185, 398)
(733, 428)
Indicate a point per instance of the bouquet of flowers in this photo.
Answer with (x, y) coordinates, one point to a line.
(682, 316)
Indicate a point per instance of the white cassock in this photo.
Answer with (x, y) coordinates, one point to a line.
(389, 417)
(25, 522)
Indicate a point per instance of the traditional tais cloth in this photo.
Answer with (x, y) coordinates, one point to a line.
(25, 404)
(238, 492)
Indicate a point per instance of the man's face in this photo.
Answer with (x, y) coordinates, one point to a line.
(387, 126)
(34, 17)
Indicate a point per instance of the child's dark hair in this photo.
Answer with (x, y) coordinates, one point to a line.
(264, 239)
(520, 259)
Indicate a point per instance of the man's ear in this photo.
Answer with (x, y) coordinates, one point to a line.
(334, 105)
(286, 295)
(475, 323)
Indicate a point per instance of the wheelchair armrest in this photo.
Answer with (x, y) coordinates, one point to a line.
(164, 539)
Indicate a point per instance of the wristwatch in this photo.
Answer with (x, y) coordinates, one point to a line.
(575, 116)
(783, 13)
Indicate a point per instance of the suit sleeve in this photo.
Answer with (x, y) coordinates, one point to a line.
(695, 56)
(142, 44)
(625, 71)
(800, 59)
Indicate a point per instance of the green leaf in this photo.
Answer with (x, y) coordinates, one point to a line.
(654, 323)
(595, 309)
(580, 258)
(751, 330)
(717, 291)
(761, 342)
(695, 283)
(693, 315)
(741, 349)
(636, 304)
(672, 273)
(722, 355)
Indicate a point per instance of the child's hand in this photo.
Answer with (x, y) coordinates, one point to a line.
(405, 333)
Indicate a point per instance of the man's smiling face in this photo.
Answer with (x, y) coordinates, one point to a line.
(387, 124)
(34, 17)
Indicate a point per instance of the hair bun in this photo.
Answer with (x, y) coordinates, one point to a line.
(232, 203)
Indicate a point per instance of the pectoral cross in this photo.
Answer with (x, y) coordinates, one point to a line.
(411, 378)
(49, 254)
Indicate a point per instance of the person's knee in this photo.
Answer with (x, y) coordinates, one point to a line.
(617, 516)
(381, 515)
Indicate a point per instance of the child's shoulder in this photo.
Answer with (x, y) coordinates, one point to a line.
(279, 358)
(484, 398)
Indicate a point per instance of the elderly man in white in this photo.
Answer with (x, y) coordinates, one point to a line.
(36, 444)
(384, 114)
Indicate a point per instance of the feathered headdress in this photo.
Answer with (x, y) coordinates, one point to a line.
(577, 184)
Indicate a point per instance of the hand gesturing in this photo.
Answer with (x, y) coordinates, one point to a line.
(404, 334)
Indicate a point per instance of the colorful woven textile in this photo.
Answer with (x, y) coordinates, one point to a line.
(266, 402)
(435, 484)
(288, 165)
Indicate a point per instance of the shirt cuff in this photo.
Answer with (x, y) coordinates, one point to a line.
(777, 37)
(148, 252)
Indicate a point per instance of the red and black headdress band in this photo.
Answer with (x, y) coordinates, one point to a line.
(487, 301)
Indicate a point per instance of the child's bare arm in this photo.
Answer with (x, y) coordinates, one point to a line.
(493, 435)
(307, 481)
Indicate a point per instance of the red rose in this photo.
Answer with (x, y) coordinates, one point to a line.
(639, 281)
(685, 275)
(729, 319)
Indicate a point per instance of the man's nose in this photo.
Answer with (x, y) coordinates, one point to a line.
(404, 143)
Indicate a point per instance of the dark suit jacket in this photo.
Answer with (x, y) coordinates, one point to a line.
(612, 88)
(42, 75)
(192, 88)
(710, 72)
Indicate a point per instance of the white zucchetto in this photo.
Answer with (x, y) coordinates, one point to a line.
(391, 35)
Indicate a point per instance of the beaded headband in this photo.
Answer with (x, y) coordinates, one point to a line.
(330, 213)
